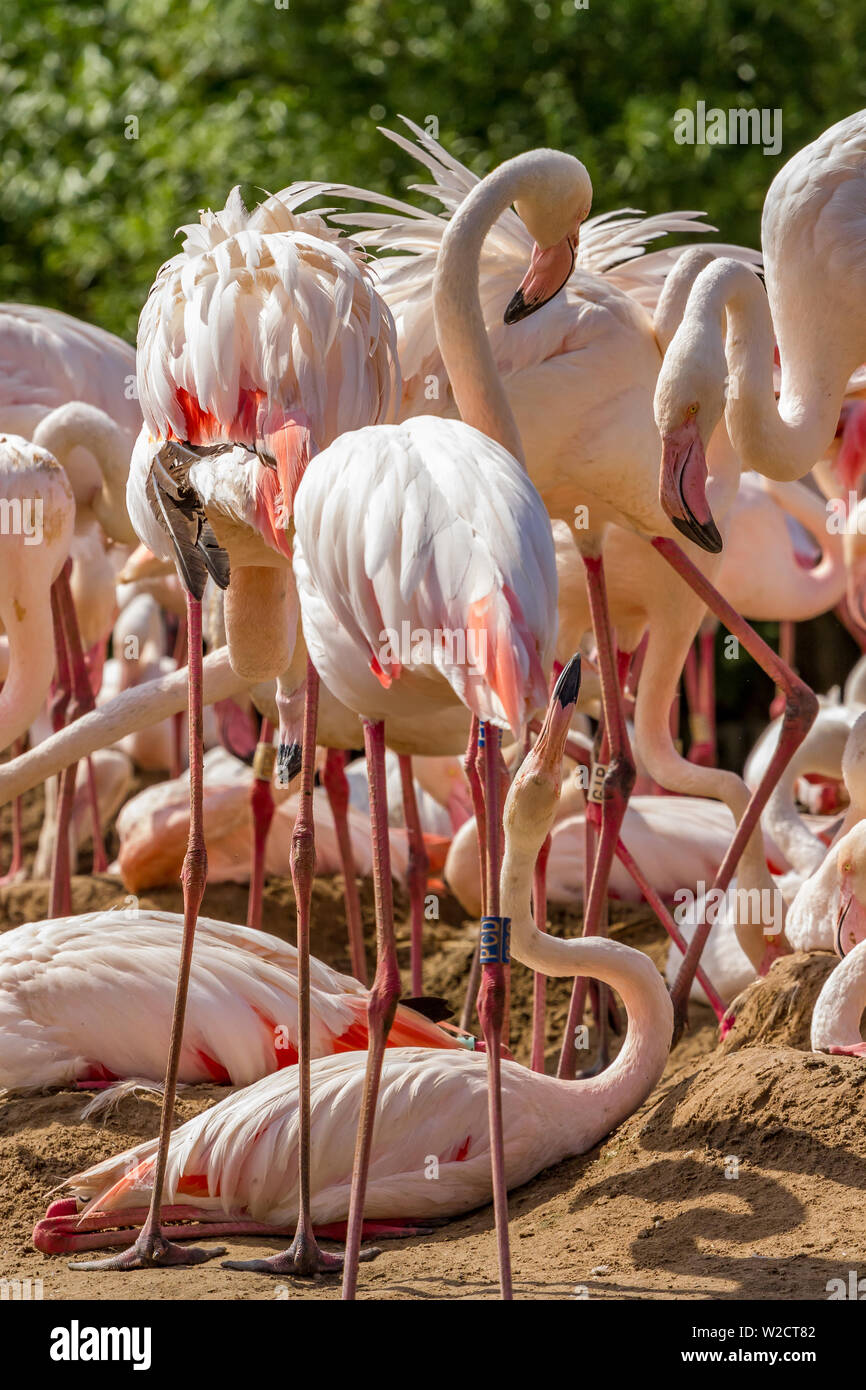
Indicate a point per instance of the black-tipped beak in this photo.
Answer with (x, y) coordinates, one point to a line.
(288, 763)
(548, 271)
(705, 534)
(567, 688)
(518, 308)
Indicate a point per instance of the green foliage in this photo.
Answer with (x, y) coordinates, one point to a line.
(242, 91)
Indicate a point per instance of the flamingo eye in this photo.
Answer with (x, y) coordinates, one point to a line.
(693, 408)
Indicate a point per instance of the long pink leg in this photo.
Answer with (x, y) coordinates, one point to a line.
(303, 1257)
(493, 995)
(624, 855)
(800, 711)
(180, 657)
(539, 981)
(419, 865)
(81, 702)
(262, 804)
(337, 787)
(787, 653)
(470, 765)
(151, 1247)
(63, 707)
(382, 1003)
(616, 789)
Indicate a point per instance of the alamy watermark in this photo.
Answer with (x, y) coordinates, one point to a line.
(764, 907)
(22, 517)
(419, 646)
(739, 125)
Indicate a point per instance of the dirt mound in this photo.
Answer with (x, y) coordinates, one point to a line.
(777, 1010)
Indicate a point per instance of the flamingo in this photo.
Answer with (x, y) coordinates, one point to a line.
(454, 540)
(566, 364)
(259, 342)
(87, 1000)
(232, 1169)
(152, 828)
(839, 1007)
(812, 920)
(813, 894)
(814, 264)
(33, 551)
(48, 358)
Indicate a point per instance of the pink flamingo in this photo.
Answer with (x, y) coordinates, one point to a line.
(565, 363)
(221, 1180)
(814, 262)
(88, 1000)
(48, 358)
(259, 342)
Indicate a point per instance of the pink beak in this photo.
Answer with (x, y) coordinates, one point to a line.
(683, 484)
(548, 271)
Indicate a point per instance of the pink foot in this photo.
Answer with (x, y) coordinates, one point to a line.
(853, 1050)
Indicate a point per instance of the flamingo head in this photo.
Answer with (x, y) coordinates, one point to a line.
(556, 200)
(851, 870)
(531, 803)
(689, 403)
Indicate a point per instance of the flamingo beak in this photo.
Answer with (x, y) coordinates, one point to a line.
(550, 746)
(850, 921)
(548, 272)
(683, 484)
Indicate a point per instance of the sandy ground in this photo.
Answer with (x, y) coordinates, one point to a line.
(740, 1177)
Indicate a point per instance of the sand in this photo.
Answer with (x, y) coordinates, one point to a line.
(740, 1177)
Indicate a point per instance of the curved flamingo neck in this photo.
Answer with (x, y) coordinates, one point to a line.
(600, 1103)
(460, 329)
(80, 425)
(781, 441)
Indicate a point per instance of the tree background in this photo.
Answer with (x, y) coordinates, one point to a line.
(242, 91)
(264, 92)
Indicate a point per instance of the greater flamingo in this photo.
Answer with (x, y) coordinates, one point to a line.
(232, 418)
(88, 1000)
(815, 271)
(48, 358)
(593, 355)
(221, 1180)
(38, 521)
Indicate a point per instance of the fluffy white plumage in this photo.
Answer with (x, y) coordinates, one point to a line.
(432, 525)
(610, 261)
(264, 304)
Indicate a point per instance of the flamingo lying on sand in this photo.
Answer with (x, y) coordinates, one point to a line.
(232, 1169)
(153, 828)
(89, 999)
